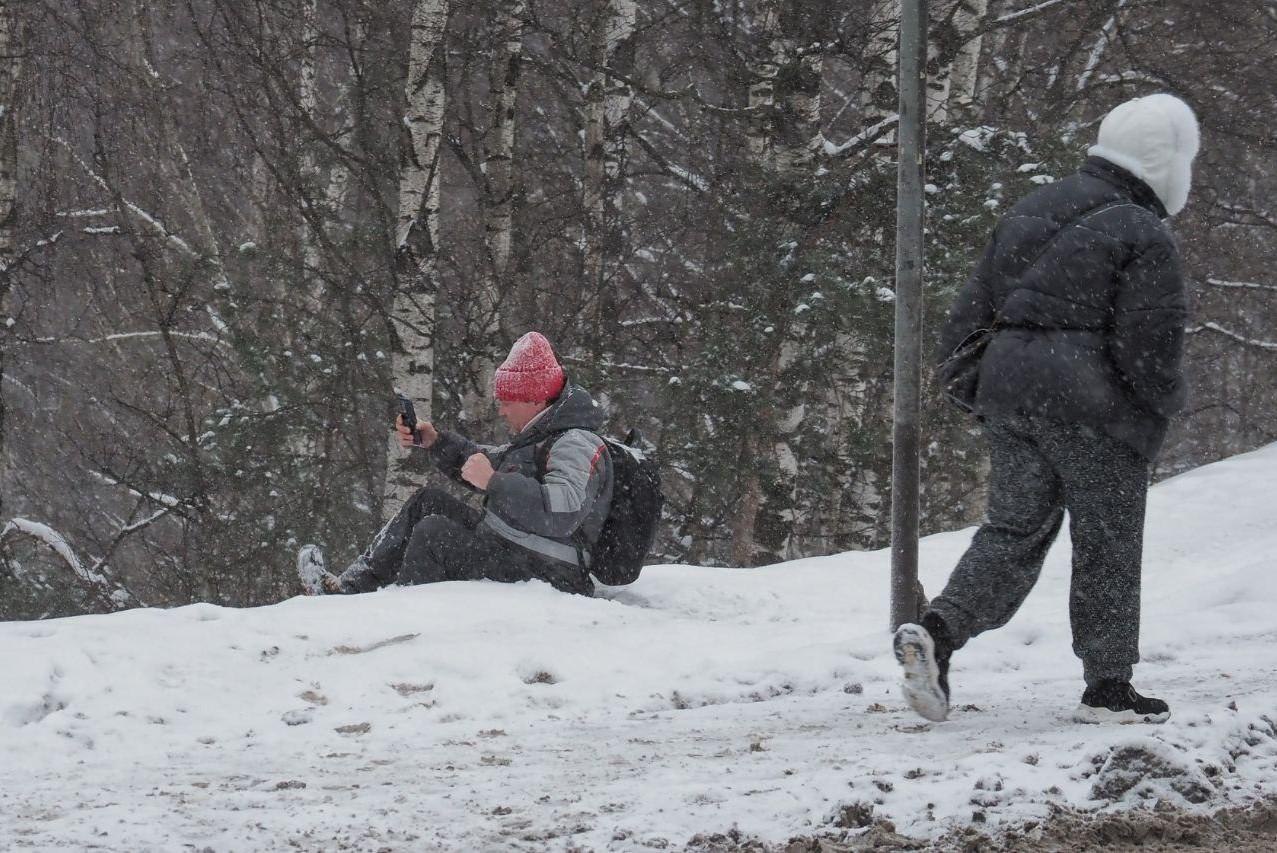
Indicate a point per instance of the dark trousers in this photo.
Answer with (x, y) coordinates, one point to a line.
(1040, 468)
(436, 537)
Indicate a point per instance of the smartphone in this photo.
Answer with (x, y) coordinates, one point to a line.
(409, 416)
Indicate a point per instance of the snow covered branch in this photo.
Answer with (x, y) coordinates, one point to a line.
(157, 497)
(16, 258)
(1242, 285)
(1270, 346)
(109, 592)
(865, 137)
(1100, 46)
(1012, 17)
(126, 336)
(153, 222)
(1254, 218)
(686, 176)
(612, 365)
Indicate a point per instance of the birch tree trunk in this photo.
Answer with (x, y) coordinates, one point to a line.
(741, 554)
(308, 98)
(498, 164)
(498, 171)
(954, 56)
(784, 97)
(417, 232)
(783, 136)
(321, 199)
(209, 253)
(762, 90)
(10, 71)
(878, 83)
(1006, 56)
(607, 108)
(761, 143)
(179, 170)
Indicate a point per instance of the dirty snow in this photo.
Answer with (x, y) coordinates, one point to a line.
(479, 716)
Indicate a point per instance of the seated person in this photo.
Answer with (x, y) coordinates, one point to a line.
(546, 493)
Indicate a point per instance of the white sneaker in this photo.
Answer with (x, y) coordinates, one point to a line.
(925, 681)
(312, 570)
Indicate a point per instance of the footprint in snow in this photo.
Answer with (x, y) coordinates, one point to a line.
(314, 697)
(26, 714)
(299, 717)
(204, 612)
(371, 647)
(170, 676)
(533, 674)
(623, 596)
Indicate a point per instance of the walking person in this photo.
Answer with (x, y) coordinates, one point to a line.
(1079, 304)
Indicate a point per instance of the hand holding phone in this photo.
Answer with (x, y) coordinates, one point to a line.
(413, 433)
(408, 414)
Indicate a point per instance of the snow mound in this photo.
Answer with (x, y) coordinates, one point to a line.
(1149, 767)
(699, 700)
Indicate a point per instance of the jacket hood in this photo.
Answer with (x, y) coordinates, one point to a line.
(574, 409)
(1155, 138)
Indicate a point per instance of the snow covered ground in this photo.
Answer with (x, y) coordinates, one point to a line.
(486, 717)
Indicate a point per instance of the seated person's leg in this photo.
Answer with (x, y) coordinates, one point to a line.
(562, 576)
(436, 552)
(442, 549)
(381, 561)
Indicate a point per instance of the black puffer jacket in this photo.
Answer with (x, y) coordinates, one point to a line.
(1085, 284)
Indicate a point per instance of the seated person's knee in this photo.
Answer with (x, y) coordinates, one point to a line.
(432, 528)
(429, 496)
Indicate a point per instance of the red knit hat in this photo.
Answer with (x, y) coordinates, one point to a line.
(530, 374)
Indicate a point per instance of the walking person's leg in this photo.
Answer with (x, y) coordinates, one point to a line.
(999, 568)
(1105, 491)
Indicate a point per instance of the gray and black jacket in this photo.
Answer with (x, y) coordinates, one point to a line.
(547, 513)
(1084, 283)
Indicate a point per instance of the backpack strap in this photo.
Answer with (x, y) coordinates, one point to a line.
(543, 451)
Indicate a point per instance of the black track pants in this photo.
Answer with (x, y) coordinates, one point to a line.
(436, 537)
(1040, 468)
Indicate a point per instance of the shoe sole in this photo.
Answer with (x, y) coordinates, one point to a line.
(1100, 716)
(915, 652)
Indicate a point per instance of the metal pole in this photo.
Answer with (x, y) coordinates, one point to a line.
(908, 345)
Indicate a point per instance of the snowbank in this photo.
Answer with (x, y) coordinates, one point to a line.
(480, 716)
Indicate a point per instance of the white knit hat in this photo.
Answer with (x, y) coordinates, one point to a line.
(1154, 138)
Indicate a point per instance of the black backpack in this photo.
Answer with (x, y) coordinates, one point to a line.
(630, 527)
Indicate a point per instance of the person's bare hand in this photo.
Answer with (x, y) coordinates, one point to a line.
(477, 471)
(427, 435)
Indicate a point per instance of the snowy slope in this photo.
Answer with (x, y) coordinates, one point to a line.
(485, 717)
